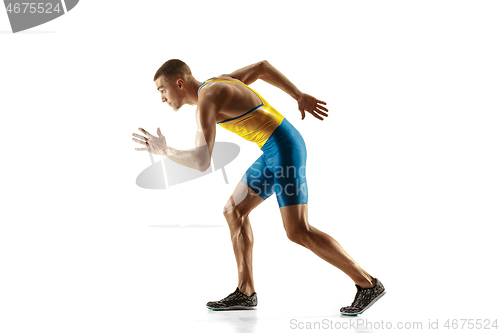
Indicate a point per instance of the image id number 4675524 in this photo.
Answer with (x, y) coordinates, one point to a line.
(471, 324)
(32, 8)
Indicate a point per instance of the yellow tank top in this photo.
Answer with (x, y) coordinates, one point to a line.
(256, 125)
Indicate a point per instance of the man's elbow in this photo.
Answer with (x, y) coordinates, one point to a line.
(263, 68)
(202, 158)
(264, 65)
(203, 166)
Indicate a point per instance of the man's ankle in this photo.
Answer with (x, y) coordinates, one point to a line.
(246, 290)
(367, 284)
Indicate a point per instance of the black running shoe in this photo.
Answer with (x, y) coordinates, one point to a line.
(364, 299)
(235, 301)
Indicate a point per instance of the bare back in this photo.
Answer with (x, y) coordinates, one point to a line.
(233, 99)
(240, 109)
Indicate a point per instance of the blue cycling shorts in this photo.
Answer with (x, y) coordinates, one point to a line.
(281, 169)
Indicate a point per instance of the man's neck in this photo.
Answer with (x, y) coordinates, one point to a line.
(192, 92)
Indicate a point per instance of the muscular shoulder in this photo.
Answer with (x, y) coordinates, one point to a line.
(211, 100)
(215, 93)
(228, 77)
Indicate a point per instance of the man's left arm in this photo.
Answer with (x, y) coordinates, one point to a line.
(200, 157)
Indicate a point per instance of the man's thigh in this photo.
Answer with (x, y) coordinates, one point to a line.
(254, 187)
(259, 178)
(289, 169)
(244, 199)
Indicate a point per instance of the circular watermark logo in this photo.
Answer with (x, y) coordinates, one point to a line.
(24, 15)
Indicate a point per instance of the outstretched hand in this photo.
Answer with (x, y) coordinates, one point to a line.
(312, 105)
(154, 145)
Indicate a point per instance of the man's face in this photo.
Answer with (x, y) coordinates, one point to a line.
(169, 92)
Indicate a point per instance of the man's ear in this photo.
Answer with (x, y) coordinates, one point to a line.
(180, 83)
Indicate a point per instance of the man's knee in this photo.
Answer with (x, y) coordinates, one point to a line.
(298, 235)
(235, 218)
(233, 212)
(228, 206)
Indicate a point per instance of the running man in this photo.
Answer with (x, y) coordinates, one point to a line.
(228, 101)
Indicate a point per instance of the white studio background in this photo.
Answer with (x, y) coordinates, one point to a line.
(403, 173)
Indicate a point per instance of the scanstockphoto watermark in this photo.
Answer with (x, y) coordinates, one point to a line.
(365, 324)
(166, 173)
(290, 188)
(289, 180)
(289, 171)
(354, 324)
(24, 15)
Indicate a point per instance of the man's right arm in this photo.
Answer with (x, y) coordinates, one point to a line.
(265, 71)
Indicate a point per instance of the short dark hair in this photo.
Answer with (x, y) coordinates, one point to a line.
(171, 68)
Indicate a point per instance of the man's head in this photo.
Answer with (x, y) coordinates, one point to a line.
(171, 80)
